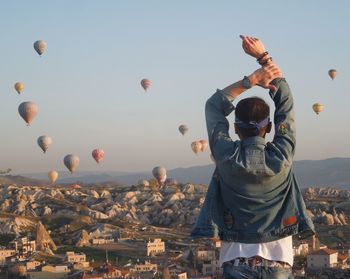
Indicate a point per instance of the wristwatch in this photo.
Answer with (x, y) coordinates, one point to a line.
(246, 83)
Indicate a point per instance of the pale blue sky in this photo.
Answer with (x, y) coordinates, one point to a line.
(87, 84)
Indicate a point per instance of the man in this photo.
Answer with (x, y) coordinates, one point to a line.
(253, 198)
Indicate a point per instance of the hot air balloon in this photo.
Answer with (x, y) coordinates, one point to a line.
(196, 146)
(19, 87)
(98, 155)
(40, 47)
(28, 110)
(204, 144)
(332, 73)
(183, 129)
(317, 108)
(71, 162)
(159, 174)
(145, 83)
(44, 142)
(53, 175)
(143, 182)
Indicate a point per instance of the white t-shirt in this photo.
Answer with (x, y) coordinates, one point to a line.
(279, 250)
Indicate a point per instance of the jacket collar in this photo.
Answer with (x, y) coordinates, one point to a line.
(254, 141)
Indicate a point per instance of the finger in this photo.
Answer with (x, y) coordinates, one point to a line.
(268, 86)
(270, 65)
(271, 87)
(244, 47)
(250, 40)
(276, 71)
(244, 38)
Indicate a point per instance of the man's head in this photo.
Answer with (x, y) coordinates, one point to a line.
(252, 118)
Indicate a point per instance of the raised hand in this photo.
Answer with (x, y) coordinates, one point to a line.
(264, 75)
(252, 46)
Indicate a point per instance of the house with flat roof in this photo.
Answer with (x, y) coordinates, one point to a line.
(323, 258)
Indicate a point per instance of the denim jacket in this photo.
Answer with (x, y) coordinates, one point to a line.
(253, 195)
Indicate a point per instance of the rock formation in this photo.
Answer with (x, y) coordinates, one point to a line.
(43, 240)
(83, 240)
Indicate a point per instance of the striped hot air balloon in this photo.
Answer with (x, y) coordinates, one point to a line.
(145, 83)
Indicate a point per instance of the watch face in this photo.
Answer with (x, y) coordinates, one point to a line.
(246, 83)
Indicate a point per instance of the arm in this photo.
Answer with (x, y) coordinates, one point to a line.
(284, 138)
(220, 105)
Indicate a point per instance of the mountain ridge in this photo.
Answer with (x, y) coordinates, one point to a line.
(310, 173)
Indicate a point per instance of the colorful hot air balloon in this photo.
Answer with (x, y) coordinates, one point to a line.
(332, 73)
(28, 110)
(19, 87)
(204, 144)
(145, 83)
(196, 146)
(143, 182)
(71, 162)
(44, 142)
(159, 174)
(40, 47)
(53, 175)
(98, 155)
(317, 108)
(183, 129)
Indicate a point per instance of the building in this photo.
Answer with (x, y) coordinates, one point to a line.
(301, 250)
(155, 247)
(205, 254)
(50, 271)
(81, 266)
(217, 243)
(98, 241)
(110, 271)
(32, 265)
(343, 261)
(212, 268)
(72, 257)
(24, 246)
(55, 268)
(6, 253)
(323, 258)
(147, 266)
(177, 272)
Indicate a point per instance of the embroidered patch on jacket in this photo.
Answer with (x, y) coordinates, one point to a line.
(282, 129)
(289, 221)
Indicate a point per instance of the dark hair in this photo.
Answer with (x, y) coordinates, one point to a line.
(251, 109)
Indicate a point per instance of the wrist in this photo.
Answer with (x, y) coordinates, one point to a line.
(253, 79)
(261, 55)
(265, 60)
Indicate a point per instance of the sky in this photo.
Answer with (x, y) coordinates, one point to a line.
(87, 83)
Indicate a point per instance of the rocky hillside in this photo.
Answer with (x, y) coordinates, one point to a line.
(64, 209)
(170, 206)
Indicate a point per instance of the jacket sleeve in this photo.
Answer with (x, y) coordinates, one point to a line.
(284, 139)
(217, 108)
